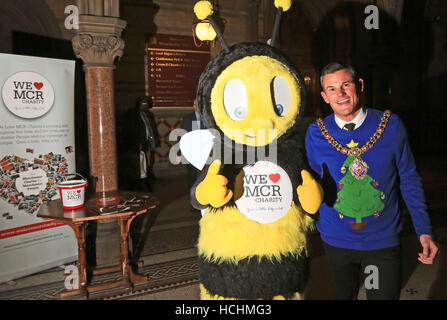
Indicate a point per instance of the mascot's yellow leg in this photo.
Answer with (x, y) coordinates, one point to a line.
(205, 295)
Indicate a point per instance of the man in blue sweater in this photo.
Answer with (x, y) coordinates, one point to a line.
(366, 155)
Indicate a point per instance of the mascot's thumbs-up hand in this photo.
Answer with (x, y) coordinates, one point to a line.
(213, 189)
(310, 193)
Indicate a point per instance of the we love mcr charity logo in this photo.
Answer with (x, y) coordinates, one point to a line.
(267, 193)
(73, 195)
(28, 95)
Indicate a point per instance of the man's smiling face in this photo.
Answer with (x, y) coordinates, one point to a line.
(340, 92)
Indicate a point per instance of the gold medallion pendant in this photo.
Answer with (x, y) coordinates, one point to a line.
(359, 169)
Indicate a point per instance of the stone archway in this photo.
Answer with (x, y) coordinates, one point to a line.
(30, 16)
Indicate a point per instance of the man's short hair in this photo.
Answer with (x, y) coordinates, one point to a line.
(336, 66)
(143, 100)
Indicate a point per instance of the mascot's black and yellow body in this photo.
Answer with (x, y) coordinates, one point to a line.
(253, 97)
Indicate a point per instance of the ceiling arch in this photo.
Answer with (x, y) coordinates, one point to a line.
(31, 16)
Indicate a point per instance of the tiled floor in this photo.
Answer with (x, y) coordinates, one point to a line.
(420, 282)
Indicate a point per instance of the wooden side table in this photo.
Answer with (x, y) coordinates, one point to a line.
(131, 205)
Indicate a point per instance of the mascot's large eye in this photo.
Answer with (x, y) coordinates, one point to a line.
(281, 96)
(235, 99)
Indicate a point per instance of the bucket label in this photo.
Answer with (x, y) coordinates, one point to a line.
(73, 194)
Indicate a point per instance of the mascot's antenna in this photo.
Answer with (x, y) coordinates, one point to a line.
(282, 5)
(219, 33)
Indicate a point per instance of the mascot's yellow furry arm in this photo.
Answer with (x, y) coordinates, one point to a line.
(252, 242)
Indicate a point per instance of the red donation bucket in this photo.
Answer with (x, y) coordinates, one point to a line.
(72, 193)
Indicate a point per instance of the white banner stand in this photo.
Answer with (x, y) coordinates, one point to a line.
(37, 138)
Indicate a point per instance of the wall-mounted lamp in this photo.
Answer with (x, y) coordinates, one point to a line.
(203, 31)
(307, 80)
(208, 27)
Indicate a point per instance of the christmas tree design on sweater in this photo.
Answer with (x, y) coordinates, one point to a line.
(358, 197)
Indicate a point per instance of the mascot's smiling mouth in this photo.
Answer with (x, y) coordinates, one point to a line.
(260, 137)
(248, 136)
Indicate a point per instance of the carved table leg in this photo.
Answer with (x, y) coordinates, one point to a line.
(81, 287)
(128, 274)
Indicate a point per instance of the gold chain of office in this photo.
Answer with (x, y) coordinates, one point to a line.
(356, 151)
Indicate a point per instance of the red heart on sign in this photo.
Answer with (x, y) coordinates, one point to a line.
(275, 177)
(38, 85)
(78, 191)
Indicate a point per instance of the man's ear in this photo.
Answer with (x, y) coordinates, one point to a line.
(361, 85)
(323, 94)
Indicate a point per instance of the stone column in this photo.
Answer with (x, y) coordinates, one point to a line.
(98, 42)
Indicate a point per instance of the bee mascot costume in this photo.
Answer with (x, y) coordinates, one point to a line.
(256, 212)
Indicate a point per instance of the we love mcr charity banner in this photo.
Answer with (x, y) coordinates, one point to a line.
(36, 151)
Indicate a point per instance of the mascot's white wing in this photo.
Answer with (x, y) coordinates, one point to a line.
(196, 147)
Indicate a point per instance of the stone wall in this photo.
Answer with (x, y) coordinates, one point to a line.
(167, 17)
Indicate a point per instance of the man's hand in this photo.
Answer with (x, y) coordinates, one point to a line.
(430, 250)
(213, 189)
